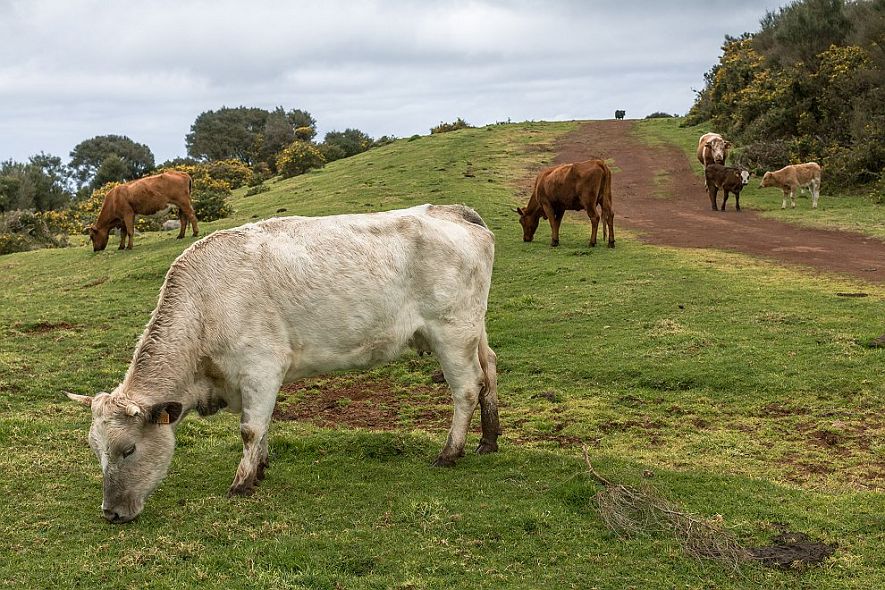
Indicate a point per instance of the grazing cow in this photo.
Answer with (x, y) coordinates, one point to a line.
(570, 187)
(717, 176)
(620, 114)
(145, 196)
(796, 176)
(247, 309)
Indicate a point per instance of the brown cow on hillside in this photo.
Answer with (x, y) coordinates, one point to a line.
(570, 187)
(143, 197)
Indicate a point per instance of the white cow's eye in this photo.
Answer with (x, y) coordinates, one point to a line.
(128, 451)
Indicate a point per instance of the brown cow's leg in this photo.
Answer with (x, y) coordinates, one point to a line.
(182, 220)
(189, 213)
(724, 198)
(594, 223)
(737, 201)
(610, 220)
(128, 229)
(555, 218)
(713, 193)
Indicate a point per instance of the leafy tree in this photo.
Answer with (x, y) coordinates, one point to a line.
(228, 133)
(299, 118)
(90, 155)
(351, 141)
(40, 184)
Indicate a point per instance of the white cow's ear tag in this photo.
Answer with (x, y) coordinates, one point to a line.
(163, 418)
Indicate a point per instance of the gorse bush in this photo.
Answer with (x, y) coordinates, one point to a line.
(210, 205)
(458, 123)
(298, 158)
(24, 230)
(234, 172)
(810, 82)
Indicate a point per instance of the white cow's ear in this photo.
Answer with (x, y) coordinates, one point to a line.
(80, 399)
(165, 413)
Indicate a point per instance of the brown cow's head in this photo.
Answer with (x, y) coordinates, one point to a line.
(99, 238)
(766, 180)
(529, 224)
(134, 444)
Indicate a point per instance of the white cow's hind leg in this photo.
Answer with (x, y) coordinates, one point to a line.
(792, 198)
(784, 202)
(259, 394)
(461, 367)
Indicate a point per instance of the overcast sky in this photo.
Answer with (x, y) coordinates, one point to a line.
(74, 69)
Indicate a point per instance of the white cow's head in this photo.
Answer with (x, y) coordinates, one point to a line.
(718, 149)
(745, 177)
(134, 445)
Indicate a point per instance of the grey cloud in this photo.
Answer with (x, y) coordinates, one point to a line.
(72, 70)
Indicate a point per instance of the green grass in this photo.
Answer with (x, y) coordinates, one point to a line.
(723, 375)
(836, 210)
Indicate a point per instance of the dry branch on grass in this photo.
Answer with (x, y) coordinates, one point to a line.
(628, 511)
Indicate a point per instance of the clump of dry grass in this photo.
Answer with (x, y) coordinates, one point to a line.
(629, 511)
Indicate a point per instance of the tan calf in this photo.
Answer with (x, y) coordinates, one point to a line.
(795, 176)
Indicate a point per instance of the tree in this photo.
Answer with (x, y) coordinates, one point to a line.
(351, 141)
(89, 156)
(40, 184)
(228, 133)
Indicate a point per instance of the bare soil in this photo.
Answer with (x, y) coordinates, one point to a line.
(657, 193)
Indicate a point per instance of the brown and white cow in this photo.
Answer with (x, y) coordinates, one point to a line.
(733, 180)
(145, 196)
(247, 309)
(793, 177)
(712, 149)
(583, 186)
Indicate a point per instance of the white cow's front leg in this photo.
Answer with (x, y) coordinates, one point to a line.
(784, 202)
(258, 404)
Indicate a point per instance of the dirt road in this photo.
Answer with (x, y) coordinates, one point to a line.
(678, 213)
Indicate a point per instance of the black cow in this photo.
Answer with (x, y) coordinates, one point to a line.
(620, 114)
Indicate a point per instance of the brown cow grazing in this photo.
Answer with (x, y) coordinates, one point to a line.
(570, 187)
(145, 196)
(796, 176)
(717, 176)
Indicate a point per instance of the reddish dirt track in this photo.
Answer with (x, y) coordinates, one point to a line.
(679, 214)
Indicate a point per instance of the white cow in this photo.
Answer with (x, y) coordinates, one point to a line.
(247, 309)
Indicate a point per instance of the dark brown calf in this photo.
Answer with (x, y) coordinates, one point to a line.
(728, 179)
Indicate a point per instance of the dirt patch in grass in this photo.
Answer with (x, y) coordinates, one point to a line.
(43, 327)
(792, 550)
(373, 404)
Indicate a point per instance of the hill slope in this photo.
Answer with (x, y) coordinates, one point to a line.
(739, 384)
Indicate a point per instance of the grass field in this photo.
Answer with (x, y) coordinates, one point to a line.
(836, 209)
(744, 387)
